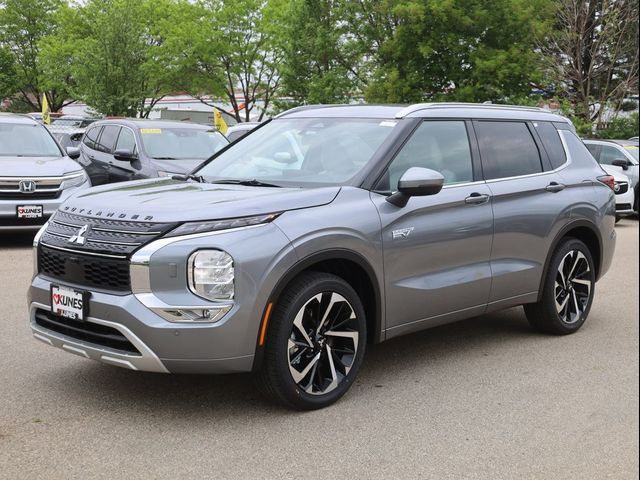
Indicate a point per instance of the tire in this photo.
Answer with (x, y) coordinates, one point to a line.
(570, 276)
(324, 364)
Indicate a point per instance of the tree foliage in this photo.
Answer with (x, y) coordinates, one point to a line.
(23, 25)
(592, 54)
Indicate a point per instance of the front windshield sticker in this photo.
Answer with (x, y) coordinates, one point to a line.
(630, 147)
(150, 130)
(388, 123)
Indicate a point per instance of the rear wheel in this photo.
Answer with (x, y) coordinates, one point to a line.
(568, 290)
(315, 343)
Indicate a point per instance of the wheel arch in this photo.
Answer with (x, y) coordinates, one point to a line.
(584, 231)
(350, 266)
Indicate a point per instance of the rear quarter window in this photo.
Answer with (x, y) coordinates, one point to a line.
(551, 142)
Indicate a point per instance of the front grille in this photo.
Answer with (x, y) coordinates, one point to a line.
(110, 274)
(29, 197)
(103, 235)
(22, 222)
(101, 262)
(623, 206)
(94, 333)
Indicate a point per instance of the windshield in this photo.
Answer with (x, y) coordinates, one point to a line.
(24, 140)
(633, 150)
(181, 143)
(302, 151)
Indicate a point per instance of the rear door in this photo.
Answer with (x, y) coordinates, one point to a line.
(530, 205)
(436, 248)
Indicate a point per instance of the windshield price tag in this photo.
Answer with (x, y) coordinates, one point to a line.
(29, 211)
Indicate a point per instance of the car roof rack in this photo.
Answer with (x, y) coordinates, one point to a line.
(495, 106)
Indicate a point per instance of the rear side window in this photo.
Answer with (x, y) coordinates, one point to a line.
(91, 137)
(507, 149)
(107, 141)
(551, 142)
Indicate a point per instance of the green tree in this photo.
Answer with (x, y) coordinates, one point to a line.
(23, 25)
(8, 77)
(465, 50)
(233, 53)
(320, 61)
(113, 54)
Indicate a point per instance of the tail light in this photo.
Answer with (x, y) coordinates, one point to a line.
(608, 180)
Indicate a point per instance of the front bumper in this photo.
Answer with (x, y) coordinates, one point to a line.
(225, 346)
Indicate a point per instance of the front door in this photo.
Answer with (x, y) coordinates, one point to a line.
(436, 248)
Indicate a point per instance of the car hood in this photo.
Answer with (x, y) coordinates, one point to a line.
(168, 200)
(37, 166)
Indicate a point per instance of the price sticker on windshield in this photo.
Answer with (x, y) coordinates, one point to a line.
(145, 131)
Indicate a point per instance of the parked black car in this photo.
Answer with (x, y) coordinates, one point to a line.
(120, 150)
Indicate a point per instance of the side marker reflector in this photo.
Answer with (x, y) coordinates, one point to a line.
(265, 321)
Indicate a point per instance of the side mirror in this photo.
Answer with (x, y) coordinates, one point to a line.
(125, 155)
(416, 182)
(73, 152)
(622, 163)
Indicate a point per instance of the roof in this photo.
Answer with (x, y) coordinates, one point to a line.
(17, 118)
(426, 110)
(137, 123)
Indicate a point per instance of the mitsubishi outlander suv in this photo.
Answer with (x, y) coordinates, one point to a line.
(324, 230)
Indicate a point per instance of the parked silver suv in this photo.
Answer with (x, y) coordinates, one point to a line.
(323, 230)
(36, 175)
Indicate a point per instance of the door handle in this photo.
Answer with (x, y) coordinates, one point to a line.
(555, 187)
(476, 199)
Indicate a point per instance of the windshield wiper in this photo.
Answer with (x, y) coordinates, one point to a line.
(248, 183)
(165, 158)
(184, 178)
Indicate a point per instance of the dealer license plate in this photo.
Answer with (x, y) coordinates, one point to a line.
(68, 302)
(29, 211)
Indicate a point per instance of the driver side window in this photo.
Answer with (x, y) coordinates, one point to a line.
(442, 146)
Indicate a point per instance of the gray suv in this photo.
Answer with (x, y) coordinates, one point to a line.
(322, 231)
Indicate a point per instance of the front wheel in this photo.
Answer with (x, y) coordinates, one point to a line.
(567, 292)
(315, 343)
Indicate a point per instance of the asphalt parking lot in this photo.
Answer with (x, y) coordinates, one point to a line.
(484, 398)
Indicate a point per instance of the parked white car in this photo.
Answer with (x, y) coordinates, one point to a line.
(625, 196)
(620, 156)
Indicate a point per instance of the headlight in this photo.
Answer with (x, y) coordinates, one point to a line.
(211, 274)
(198, 227)
(74, 179)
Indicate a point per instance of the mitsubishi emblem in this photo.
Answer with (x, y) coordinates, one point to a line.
(81, 236)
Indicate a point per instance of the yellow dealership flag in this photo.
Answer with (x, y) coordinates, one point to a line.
(219, 122)
(46, 118)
